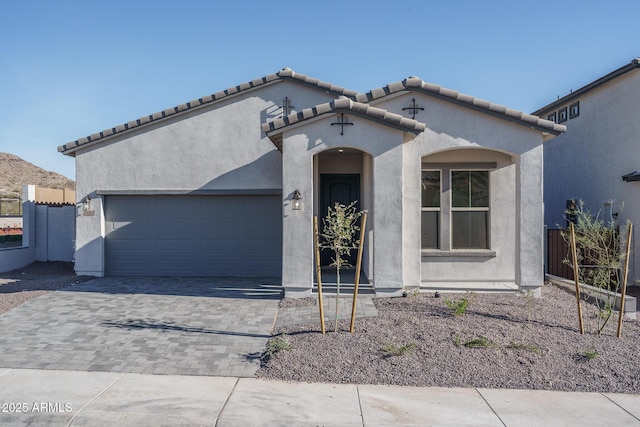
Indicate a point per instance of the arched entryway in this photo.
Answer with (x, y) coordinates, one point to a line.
(344, 175)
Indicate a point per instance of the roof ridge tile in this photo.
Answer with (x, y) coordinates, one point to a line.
(345, 103)
(413, 83)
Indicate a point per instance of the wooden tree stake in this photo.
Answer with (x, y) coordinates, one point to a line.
(358, 266)
(576, 277)
(318, 272)
(625, 275)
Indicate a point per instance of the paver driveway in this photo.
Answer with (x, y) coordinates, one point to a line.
(184, 326)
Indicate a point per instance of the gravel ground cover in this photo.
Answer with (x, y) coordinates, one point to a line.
(24, 284)
(501, 341)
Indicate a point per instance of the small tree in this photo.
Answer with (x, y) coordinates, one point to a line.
(340, 227)
(599, 257)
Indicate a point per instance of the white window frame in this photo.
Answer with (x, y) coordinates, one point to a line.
(433, 209)
(470, 209)
(446, 209)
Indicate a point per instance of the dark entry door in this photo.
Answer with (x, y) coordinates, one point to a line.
(337, 188)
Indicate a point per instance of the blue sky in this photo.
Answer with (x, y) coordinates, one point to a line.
(72, 68)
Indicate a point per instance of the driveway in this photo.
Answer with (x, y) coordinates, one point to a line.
(179, 326)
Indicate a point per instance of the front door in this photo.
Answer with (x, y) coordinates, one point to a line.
(337, 188)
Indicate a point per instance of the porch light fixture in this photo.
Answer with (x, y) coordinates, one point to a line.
(631, 177)
(86, 205)
(297, 200)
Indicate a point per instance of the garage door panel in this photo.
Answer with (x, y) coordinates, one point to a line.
(176, 245)
(220, 244)
(129, 244)
(258, 267)
(134, 208)
(193, 235)
(135, 266)
(221, 234)
(220, 225)
(261, 245)
(166, 209)
(220, 268)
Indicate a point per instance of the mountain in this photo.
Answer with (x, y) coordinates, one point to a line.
(15, 172)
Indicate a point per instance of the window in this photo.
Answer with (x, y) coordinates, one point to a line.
(430, 209)
(562, 115)
(469, 209)
(552, 117)
(574, 110)
(455, 211)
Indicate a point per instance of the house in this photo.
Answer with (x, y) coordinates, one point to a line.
(597, 160)
(452, 185)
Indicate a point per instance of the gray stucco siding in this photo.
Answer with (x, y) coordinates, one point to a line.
(587, 162)
(498, 263)
(217, 147)
(450, 125)
(384, 145)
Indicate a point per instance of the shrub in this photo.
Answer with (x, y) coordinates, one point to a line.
(393, 350)
(275, 345)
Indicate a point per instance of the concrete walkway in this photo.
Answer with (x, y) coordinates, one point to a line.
(41, 397)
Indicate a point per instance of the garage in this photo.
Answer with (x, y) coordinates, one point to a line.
(193, 235)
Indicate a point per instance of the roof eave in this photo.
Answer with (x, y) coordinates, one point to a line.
(635, 63)
(277, 127)
(285, 74)
(416, 84)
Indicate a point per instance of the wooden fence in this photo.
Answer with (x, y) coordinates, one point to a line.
(557, 251)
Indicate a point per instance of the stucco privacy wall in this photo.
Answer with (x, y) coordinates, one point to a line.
(587, 163)
(48, 234)
(55, 232)
(215, 149)
(300, 145)
(12, 258)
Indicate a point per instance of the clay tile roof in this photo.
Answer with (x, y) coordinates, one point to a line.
(340, 105)
(414, 83)
(284, 74)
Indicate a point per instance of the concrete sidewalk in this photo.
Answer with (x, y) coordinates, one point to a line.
(41, 397)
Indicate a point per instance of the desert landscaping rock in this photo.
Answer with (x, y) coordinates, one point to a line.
(39, 278)
(530, 344)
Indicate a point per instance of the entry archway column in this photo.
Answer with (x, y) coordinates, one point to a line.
(297, 225)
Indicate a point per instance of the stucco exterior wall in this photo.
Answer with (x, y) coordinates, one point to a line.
(600, 146)
(385, 146)
(220, 147)
(461, 135)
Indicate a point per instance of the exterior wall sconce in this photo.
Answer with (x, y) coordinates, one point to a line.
(297, 200)
(86, 207)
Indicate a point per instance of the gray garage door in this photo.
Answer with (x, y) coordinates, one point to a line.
(193, 235)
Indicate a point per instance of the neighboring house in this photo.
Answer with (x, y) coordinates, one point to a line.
(596, 159)
(452, 185)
